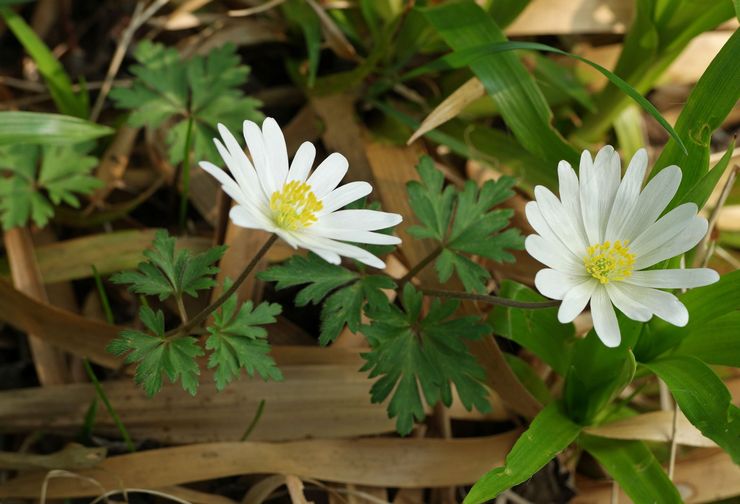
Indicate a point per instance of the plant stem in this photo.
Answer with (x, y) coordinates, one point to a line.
(103, 297)
(419, 266)
(185, 174)
(181, 309)
(203, 315)
(484, 298)
(111, 411)
(255, 419)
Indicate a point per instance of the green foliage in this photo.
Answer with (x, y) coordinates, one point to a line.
(548, 434)
(634, 467)
(60, 171)
(172, 273)
(537, 330)
(716, 342)
(238, 340)
(463, 222)
(703, 398)
(410, 352)
(169, 89)
(156, 355)
(40, 128)
(344, 292)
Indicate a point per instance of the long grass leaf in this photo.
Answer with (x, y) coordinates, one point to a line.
(37, 127)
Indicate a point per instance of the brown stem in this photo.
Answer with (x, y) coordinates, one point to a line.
(203, 315)
(484, 298)
(419, 266)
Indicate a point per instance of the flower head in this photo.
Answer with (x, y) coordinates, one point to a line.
(304, 210)
(603, 233)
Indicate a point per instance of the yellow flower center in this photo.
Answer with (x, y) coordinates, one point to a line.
(294, 206)
(609, 261)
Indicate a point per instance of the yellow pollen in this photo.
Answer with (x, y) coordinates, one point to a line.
(294, 206)
(609, 261)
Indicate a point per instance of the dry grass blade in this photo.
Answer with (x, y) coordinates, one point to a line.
(450, 107)
(113, 164)
(567, 17)
(654, 426)
(335, 39)
(416, 463)
(72, 456)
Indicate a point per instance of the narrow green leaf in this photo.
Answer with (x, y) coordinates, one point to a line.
(716, 342)
(703, 188)
(464, 26)
(634, 467)
(703, 398)
(506, 11)
(549, 434)
(41, 128)
(60, 85)
(302, 15)
(529, 378)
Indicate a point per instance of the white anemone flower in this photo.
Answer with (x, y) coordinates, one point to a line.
(302, 209)
(600, 237)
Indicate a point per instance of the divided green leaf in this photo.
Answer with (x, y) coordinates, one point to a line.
(345, 293)
(172, 273)
(239, 341)
(411, 353)
(34, 178)
(157, 356)
(464, 223)
(170, 89)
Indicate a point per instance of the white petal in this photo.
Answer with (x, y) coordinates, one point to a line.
(664, 304)
(240, 167)
(345, 249)
(605, 320)
(598, 192)
(664, 229)
(585, 166)
(366, 220)
(553, 255)
(326, 255)
(302, 162)
(229, 185)
(353, 235)
(559, 221)
(626, 304)
(570, 196)
(685, 240)
(627, 194)
(575, 300)
(258, 151)
(651, 202)
(277, 151)
(673, 278)
(243, 217)
(328, 174)
(539, 224)
(554, 284)
(344, 195)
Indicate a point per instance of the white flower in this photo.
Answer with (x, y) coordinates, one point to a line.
(601, 235)
(303, 210)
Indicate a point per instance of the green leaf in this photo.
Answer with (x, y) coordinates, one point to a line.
(539, 331)
(239, 341)
(704, 304)
(703, 188)
(506, 11)
(598, 373)
(206, 88)
(716, 342)
(39, 128)
(33, 178)
(157, 356)
(469, 56)
(529, 378)
(634, 467)
(464, 25)
(59, 83)
(462, 223)
(301, 14)
(172, 273)
(703, 398)
(549, 433)
(346, 292)
(409, 352)
(711, 100)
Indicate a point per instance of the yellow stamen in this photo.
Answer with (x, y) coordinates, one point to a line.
(295, 206)
(609, 261)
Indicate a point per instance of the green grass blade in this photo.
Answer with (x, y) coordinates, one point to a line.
(634, 467)
(549, 434)
(59, 83)
(464, 27)
(37, 127)
(714, 96)
(465, 57)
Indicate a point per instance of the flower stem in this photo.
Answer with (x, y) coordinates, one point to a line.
(181, 309)
(419, 266)
(203, 315)
(185, 174)
(484, 298)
